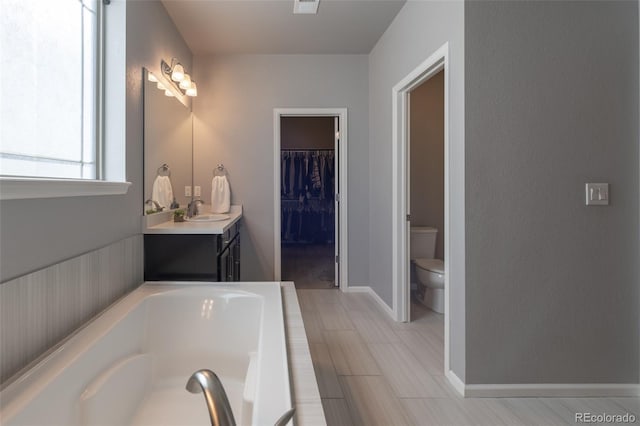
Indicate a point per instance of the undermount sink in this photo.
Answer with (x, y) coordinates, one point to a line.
(208, 218)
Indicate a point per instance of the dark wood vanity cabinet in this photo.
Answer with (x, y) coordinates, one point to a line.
(193, 257)
(228, 257)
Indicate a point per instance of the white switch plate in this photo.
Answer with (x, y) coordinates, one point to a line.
(187, 191)
(597, 194)
(196, 191)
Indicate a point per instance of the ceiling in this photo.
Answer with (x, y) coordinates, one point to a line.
(270, 27)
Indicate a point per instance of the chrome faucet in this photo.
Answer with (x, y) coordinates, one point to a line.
(220, 413)
(155, 203)
(207, 381)
(192, 207)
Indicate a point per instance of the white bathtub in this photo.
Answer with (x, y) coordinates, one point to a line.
(131, 364)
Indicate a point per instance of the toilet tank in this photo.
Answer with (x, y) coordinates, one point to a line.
(423, 242)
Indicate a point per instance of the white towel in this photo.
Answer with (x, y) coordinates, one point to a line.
(162, 192)
(220, 195)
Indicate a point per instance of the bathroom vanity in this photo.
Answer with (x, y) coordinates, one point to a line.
(192, 250)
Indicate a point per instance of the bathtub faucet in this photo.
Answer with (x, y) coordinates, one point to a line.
(207, 381)
(217, 402)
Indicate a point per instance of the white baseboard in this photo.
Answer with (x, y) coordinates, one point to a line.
(543, 390)
(455, 381)
(552, 390)
(374, 295)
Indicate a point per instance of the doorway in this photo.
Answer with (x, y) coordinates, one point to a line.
(425, 197)
(310, 239)
(437, 62)
(308, 163)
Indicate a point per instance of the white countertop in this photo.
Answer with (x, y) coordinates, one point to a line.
(162, 223)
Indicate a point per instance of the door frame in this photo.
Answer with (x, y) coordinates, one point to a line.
(343, 248)
(435, 63)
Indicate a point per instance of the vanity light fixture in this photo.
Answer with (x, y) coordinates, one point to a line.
(179, 78)
(186, 82)
(193, 90)
(177, 74)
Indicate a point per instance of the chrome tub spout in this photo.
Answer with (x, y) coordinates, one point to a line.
(207, 381)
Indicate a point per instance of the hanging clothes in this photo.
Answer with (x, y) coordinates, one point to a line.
(307, 190)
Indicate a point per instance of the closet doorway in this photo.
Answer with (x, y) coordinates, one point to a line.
(309, 201)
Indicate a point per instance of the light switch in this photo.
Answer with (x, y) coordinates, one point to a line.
(187, 191)
(597, 194)
(196, 191)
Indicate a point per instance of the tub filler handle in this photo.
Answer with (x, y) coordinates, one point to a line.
(220, 413)
(284, 419)
(207, 381)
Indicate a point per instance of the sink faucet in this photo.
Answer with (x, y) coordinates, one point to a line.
(192, 207)
(207, 381)
(155, 203)
(220, 413)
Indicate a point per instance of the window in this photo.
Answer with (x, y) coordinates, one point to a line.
(49, 89)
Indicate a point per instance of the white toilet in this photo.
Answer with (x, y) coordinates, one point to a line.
(428, 271)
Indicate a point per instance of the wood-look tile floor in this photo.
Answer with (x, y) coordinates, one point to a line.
(309, 265)
(374, 371)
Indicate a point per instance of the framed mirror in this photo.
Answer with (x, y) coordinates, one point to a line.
(168, 147)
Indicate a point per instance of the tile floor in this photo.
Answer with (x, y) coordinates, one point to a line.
(374, 371)
(308, 266)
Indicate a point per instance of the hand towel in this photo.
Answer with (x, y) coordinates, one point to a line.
(220, 195)
(162, 192)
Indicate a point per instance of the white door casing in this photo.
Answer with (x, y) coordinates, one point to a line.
(342, 244)
(438, 61)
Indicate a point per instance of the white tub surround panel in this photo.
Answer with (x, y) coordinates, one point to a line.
(40, 309)
(162, 223)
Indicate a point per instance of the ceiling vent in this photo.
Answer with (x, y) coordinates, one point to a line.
(305, 7)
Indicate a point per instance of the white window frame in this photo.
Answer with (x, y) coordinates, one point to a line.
(109, 157)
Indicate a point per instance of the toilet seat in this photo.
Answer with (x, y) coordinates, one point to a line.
(433, 265)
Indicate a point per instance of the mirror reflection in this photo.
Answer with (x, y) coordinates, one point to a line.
(167, 147)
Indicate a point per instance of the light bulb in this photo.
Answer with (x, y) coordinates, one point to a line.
(186, 82)
(168, 93)
(178, 73)
(161, 86)
(152, 78)
(193, 90)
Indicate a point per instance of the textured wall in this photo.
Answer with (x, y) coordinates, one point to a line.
(426, 137)
(233, 125)
(551, 103)
(417, 32)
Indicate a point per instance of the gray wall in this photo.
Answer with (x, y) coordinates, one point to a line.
(426, 135)
(39, 233)
(551, 103)
(233, 125)
(417, 32)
